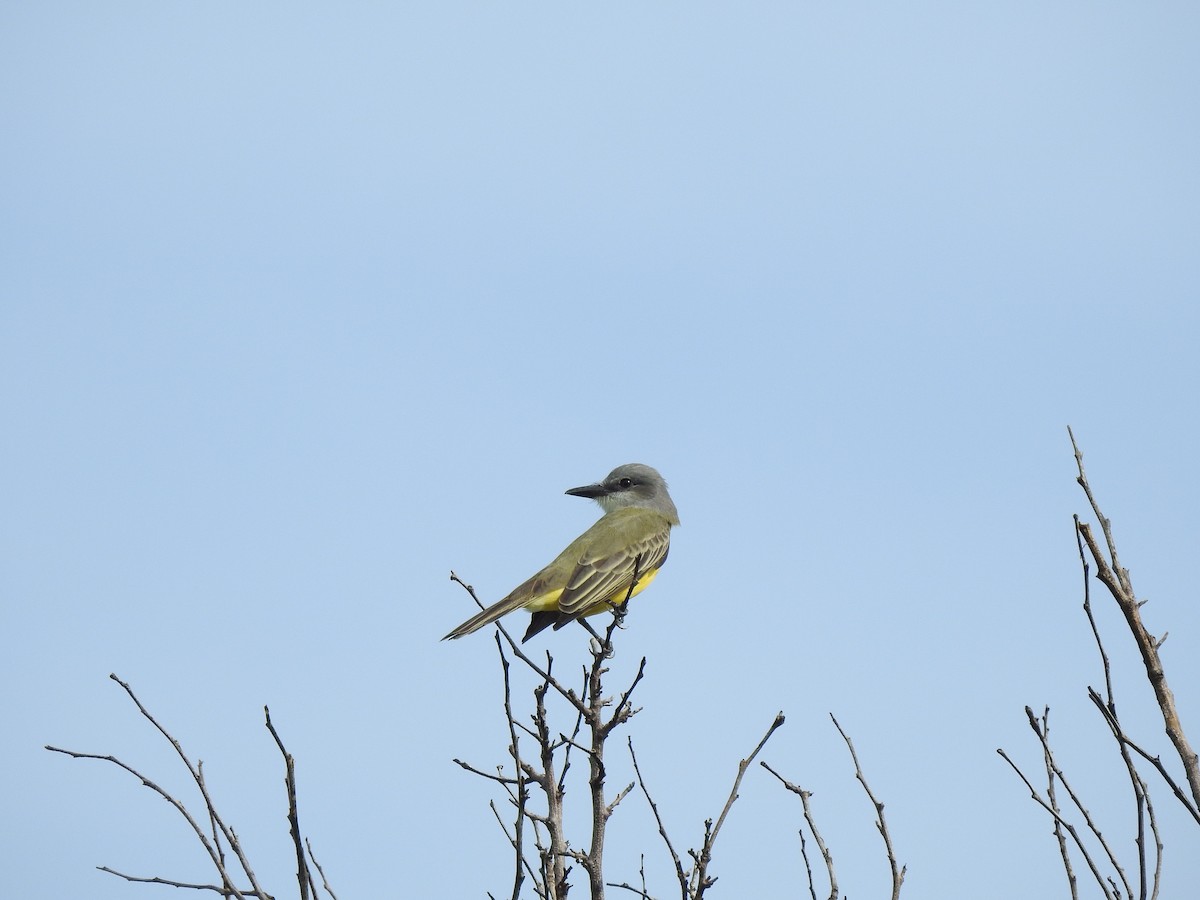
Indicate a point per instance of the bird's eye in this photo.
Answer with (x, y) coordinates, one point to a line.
(626, 482)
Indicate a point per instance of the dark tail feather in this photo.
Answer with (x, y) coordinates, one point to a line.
(540, 621)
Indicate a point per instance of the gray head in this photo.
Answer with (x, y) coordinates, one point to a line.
(631, 485)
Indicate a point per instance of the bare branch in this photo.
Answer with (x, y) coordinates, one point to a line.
(320, 871)
(522, 791)
(217, 889)
(303, 875)
(1116, 579)
(218, 829)
(624, 885)
(554, 860)
(228, 887)
(1052, 800)
(662, 829)
(812, 826)
(1106, 887)
(599, 729)
(898, 871)
(234, 844)
(622, 711)
(701, 877)
(1075, 799)
(1119, 733)
(544, 674)
(502, 779)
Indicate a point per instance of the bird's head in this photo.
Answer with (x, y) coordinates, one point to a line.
(632, 484)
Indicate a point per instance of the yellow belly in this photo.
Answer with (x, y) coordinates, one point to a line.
(549, 601)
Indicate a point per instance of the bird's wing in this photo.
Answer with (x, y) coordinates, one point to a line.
(607, 569)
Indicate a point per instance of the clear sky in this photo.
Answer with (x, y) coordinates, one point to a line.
(302, 307)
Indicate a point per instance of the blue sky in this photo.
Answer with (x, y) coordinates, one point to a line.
(302, 308)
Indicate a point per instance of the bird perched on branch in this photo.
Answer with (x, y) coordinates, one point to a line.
(612, 561)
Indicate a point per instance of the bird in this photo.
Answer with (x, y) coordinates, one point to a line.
(600, 570)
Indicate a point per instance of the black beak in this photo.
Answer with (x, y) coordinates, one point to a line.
(591, 491)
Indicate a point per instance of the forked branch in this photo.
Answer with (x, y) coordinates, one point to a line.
(1116, 578)
(221, 832)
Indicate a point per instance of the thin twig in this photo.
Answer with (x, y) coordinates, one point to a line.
(179, 807)
(1052, 799)
(662, 828)
(1071, 830)
(522, 791)
(502, 779)
(1087, 816)
(234, 844)
(898, 871)
(320, 871)
(826, 855)
(544, 674)
(303, 875)
(1155, 761)
(217, 889)
(622, 711)
(701, 877)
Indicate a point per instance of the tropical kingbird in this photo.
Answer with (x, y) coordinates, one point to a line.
(612, 561)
